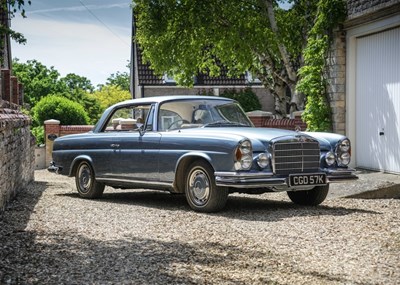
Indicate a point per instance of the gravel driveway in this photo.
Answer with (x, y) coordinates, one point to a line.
(50, 236)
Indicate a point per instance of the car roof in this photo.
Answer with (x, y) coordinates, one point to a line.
(162, 99)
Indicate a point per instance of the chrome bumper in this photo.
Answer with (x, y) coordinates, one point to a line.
(266, 180)
(248, 180)
(340, 175)
(54, 168)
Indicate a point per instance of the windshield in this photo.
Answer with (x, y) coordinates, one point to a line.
(201, 113)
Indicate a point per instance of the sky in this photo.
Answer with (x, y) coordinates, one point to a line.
(91, 38)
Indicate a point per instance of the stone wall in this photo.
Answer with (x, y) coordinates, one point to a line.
(17, 160)
(358, 8)
(358, 12)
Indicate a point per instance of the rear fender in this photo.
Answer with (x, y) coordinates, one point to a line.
(76, 161)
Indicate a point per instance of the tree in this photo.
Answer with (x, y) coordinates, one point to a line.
(78, 89)
(120, 79)
(184, 38)
(15, 5)
(77, 82)
(38, 80)
(109, 95)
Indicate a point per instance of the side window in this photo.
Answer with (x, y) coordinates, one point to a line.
(174, 115)
(128, 119)
(149, 115)
(168, 120)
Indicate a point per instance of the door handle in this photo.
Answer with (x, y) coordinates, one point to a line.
(114, 145)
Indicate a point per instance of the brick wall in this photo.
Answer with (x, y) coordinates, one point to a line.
(266, 120)
(17, 159)
(53, 129)
(17, 145)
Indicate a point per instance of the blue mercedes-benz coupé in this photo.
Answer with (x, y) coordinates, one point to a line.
(205, 147)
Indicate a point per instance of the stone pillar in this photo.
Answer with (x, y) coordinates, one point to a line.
(14, 90)
(6, 91)
(20, 94)
(51, 132)
(298, 121)
(337, 81)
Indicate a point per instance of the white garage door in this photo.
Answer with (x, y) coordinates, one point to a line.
(378, 101)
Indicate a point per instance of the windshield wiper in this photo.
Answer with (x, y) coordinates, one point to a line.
(224, 123)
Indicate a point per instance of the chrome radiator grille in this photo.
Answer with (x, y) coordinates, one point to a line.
(295, 157)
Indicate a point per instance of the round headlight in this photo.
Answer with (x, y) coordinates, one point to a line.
(263, 160)
(330, 158)
(243, 155)
(344, 146)
(344, 158)
(246, 161)
(245, 147)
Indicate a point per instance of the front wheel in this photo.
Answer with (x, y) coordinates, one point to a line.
(311, 197)
(86, 183)
(201, 192)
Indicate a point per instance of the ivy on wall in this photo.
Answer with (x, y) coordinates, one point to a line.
(313, 83)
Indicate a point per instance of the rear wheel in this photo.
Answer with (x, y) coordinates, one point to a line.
(86, 183)
(201, 192)
(311, 197)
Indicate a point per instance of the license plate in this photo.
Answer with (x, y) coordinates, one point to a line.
(307, 179)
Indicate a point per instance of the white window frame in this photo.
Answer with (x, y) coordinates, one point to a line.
(251, 79)
(168, 79)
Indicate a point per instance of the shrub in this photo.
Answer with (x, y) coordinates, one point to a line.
(59, 108)
(38, 132)
(246, 98)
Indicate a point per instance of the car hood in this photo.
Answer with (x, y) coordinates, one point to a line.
(260, 137)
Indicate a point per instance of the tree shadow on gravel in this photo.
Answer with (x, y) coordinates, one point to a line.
(21, 207)
(237, 207)
(13, 222)
(44, 256)
(69, 258)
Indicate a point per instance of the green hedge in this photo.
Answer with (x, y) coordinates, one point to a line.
(246, 97)
(59, 108)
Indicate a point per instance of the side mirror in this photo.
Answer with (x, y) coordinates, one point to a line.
(141, 130)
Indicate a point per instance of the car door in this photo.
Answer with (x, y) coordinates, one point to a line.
(135, 156)
(101, 152)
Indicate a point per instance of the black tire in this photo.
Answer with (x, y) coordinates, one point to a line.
(201, 192)
(311, 197)
(86, 183)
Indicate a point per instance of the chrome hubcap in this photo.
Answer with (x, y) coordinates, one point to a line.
(85, 178)
(199, 187)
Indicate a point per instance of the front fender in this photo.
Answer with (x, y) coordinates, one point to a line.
(328, 141)
(183, 164)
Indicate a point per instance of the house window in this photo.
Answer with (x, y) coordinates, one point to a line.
(168, 79)
(251, 79)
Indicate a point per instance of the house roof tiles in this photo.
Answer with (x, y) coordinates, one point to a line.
(146, 76)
